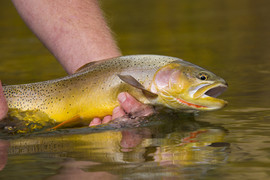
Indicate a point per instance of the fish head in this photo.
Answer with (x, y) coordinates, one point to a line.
(184, 86)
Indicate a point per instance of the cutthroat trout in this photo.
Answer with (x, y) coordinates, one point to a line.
(92, 91)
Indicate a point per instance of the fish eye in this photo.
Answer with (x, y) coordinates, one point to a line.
(203, 76)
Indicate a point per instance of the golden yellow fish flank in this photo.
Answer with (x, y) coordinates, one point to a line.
(92, 91)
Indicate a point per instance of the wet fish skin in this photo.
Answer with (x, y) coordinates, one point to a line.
(92, 91)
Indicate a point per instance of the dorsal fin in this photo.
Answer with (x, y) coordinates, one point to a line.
(84, 67)
(133, 82)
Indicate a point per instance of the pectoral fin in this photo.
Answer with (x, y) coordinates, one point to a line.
(133, 82)
(68, 123)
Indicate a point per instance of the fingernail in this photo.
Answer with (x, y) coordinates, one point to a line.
(122, 97)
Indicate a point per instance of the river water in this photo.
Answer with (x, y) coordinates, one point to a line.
(230, 38)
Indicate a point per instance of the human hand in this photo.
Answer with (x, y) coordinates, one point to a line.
(128, 105)
(3, 103)
(3, 153)
(131, 138)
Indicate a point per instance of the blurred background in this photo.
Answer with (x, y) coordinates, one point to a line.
(230, 38)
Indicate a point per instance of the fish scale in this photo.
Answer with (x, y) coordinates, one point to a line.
(92, 91)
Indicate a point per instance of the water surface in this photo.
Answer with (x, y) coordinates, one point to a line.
(229, 38)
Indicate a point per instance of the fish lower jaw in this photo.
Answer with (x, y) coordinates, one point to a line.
(215, 106)
(190, 104)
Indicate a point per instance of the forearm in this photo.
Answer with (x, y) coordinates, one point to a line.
(3, 103)
(74, 31)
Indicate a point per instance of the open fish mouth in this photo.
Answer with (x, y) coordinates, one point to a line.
(208, 90)
(216, 91)
(205, 96)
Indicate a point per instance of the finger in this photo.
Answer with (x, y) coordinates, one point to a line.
(106, 119)
(95, 122)
(133, 106)
(130, 139)
(3, 153)
(145, 111)
(118, 112)
(129, 103)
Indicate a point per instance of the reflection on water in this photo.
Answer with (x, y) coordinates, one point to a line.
(162, 146)
(230, 38)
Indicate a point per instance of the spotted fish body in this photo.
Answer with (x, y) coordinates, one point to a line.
(92, 91)
(89, 93)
